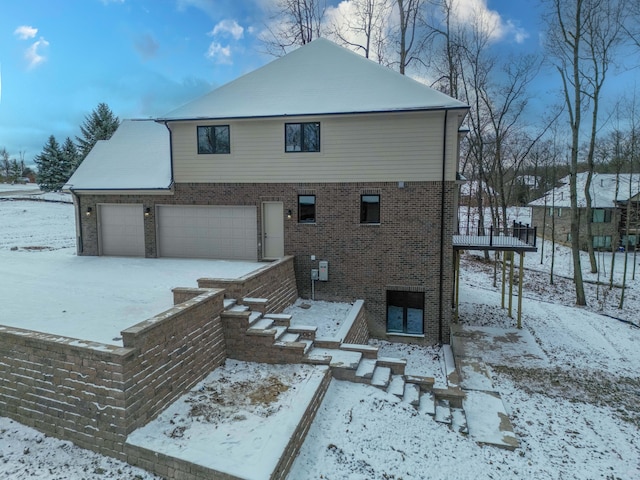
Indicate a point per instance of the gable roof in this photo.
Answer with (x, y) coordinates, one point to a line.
(318, 78)
(603, 191)
(136, 157)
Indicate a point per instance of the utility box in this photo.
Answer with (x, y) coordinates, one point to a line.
(314, 274)
(323, 266)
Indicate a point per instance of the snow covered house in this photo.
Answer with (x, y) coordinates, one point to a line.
(610, 196)
(322, 155)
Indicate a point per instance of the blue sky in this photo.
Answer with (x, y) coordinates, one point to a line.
(60, 58)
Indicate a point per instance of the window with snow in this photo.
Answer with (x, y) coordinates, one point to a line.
(302, 137)
(214, 139)
(405, 312)
(369, 208)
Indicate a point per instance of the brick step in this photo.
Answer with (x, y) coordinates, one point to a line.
(366, 368)
(257, 304)
(443, 411)
(280, 331)
(288, 337)
(381, 377)
(283, 319)
(367, 351)
(260, 326)
(396, 365)
(411, 394)
(396, 386)
(307, 332)
(335, 358)
(228, 303)
(254, 317)
(238, 308)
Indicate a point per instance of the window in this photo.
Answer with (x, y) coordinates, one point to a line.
(302, 137)
(306, 208)
(214, 139)
(405, 312)
(370, 209)
(600, 215)
(601, 241)
(550, 212)
(559, 212)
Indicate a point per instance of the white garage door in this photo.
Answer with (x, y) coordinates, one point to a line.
(207, 232)
(121, 230)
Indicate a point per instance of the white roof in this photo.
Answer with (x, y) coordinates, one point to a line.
(318, 78)
(603, 191)
(136, 157)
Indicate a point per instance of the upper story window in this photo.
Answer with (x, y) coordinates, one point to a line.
(600, 215)
(370, 209)
(214, 139)
(302, 137)
(306, 208)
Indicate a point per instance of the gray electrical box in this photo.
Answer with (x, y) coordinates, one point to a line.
(314, 274)
(323, 266)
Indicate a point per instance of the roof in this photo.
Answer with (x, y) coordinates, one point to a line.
(318, 78)
(136, 157)
(603, 191)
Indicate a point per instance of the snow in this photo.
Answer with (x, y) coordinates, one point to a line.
(318, 78)
(327, 316)
(89, 298)
(569, 382)
(137, 156)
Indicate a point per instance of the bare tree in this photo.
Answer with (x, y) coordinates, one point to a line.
(410, 40)
(293, 23)
(580, 42)
(365, 27)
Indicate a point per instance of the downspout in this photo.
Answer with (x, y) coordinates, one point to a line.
(76, 202)
(442, 199)
(170, 151)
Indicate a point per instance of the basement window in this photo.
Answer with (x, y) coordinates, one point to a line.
(405, 312)
(306, 209)
(214, 139)
(370, 209)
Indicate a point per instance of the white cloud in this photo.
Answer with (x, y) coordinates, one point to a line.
(477, 13)
(219, 53)
(33, 53)
(228, 28)
(25, 32)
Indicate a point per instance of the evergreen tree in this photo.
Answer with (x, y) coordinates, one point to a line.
(52, 171)
(15, 171)
(70, 156)
(98, 125)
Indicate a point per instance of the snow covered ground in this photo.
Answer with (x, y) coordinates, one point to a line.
(575, 411)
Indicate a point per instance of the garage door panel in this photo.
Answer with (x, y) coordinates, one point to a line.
(121, 230)
(226, 232)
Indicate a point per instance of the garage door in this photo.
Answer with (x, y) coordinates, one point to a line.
(228, 232)
(121, 230)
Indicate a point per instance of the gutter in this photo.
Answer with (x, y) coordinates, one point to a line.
(76, 203)
(442, 198)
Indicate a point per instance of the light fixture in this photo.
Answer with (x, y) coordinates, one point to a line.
(289, 214)
(88, 212)
(147, 212)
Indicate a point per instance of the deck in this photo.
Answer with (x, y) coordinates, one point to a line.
(518, 238)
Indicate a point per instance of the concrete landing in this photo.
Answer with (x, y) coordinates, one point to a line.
(488, 421)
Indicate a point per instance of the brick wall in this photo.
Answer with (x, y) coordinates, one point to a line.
(402, 252)
(355, 329)
(94, 394)
(276, 281)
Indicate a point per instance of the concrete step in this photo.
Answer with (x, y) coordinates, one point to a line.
(488, 421)
(239, 308)
(397, 365)
(443, 411)
(381, 377)
(262, 324)
(411, 394)
(337, 357)
(459, 421)
(427, 404)
(475, 374)
(288, 337)
(308, 347)
(257, 304)
(283, 319)
(366, 368)
(254, 317)
(280, 332)
(228, 303)
(367, 351)
(449, 366)
(396, 386)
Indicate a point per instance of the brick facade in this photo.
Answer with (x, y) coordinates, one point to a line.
(403, 252)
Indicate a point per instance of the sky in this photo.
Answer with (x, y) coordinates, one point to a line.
(143, 58)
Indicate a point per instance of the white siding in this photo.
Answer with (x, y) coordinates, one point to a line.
(354, 148)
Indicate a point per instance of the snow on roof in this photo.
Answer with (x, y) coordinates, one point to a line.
(136, 157)
(603, 191)
(318, 78)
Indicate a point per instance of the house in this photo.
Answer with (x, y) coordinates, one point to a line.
(323, 155)
(610, 195)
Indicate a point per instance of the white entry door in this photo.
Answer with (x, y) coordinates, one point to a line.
(272, 230)
(222, 232)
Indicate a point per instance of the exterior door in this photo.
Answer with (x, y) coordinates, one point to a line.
(272, 230)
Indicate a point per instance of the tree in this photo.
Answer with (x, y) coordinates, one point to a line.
(581, 35)
(410, 42)
(98, 125)
(294, 23)
(5, 166)
(52, 174)
(71, 156)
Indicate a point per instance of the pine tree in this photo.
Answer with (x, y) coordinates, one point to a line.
(98, 125)
(52, 171)
(70, 156)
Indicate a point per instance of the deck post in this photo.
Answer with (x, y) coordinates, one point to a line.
(505, 255)
(457, 282)
(511, 285)
(520, 278)
(491, 236)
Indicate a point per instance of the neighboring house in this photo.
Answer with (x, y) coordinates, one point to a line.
(321, 154)
(609, 211)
